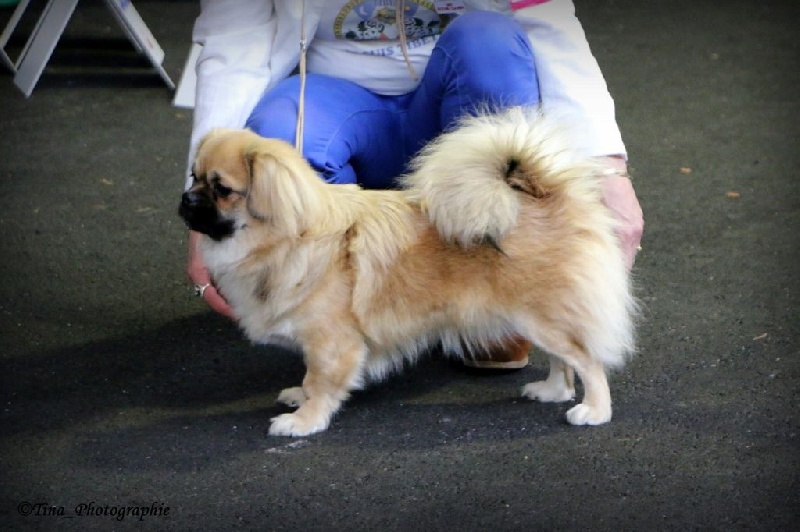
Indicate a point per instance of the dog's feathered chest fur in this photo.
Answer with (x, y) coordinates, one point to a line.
(284, 280)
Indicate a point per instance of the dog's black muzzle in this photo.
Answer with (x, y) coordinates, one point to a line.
(200, 214)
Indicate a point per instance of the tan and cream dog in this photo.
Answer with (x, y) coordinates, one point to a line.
(500, 230)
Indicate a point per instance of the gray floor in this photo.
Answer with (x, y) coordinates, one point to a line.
(120, 389)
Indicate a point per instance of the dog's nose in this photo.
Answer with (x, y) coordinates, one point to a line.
(190, 199)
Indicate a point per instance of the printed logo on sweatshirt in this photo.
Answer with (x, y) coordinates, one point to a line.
(375, 20)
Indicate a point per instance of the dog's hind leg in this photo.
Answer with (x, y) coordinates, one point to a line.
(292, 397)
(596, 406)
(566, 355)
(334, 362)
(557, 388)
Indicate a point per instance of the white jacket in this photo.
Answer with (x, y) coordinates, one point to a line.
(250, 45)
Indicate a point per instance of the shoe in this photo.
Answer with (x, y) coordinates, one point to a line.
(509, 354)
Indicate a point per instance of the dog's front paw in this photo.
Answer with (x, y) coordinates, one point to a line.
(548, 392)
(584, 414)
(292, 397)
(295, 425)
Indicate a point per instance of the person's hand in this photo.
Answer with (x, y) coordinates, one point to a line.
(620, 198)
(198, 274)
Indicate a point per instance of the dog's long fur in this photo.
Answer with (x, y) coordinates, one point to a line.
(500, 230)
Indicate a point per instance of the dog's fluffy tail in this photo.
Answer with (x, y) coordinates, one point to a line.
(468, 180)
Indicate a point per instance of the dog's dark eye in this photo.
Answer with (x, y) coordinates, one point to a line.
(221, 190)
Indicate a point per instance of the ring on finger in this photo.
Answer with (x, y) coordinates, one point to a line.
(200, 289)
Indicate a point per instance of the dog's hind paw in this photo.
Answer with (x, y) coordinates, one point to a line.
(294, 425)
(548, 392)
(292, 397)
(584, 414)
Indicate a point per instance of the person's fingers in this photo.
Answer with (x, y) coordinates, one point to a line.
(199, 275)
(620, 198)
(630, 254)
(214, 300)
(630, 236)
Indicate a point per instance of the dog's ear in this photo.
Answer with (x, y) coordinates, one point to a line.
(284, 190)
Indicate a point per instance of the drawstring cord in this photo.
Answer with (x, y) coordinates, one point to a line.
(301, 102)
(400, 22)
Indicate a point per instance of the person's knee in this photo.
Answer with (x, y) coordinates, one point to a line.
(482, 32)
(275, 116)
(491, 56)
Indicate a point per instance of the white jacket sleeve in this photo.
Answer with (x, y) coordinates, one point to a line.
(570, 81)
(233, 69)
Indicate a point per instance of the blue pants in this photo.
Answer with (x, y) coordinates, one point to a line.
(353, 135)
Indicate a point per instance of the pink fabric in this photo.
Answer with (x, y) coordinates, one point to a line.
(519, 4)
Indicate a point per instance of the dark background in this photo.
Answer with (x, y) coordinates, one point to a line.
(120, 388)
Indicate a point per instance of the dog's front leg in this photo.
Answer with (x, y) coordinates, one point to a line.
(334, 363)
